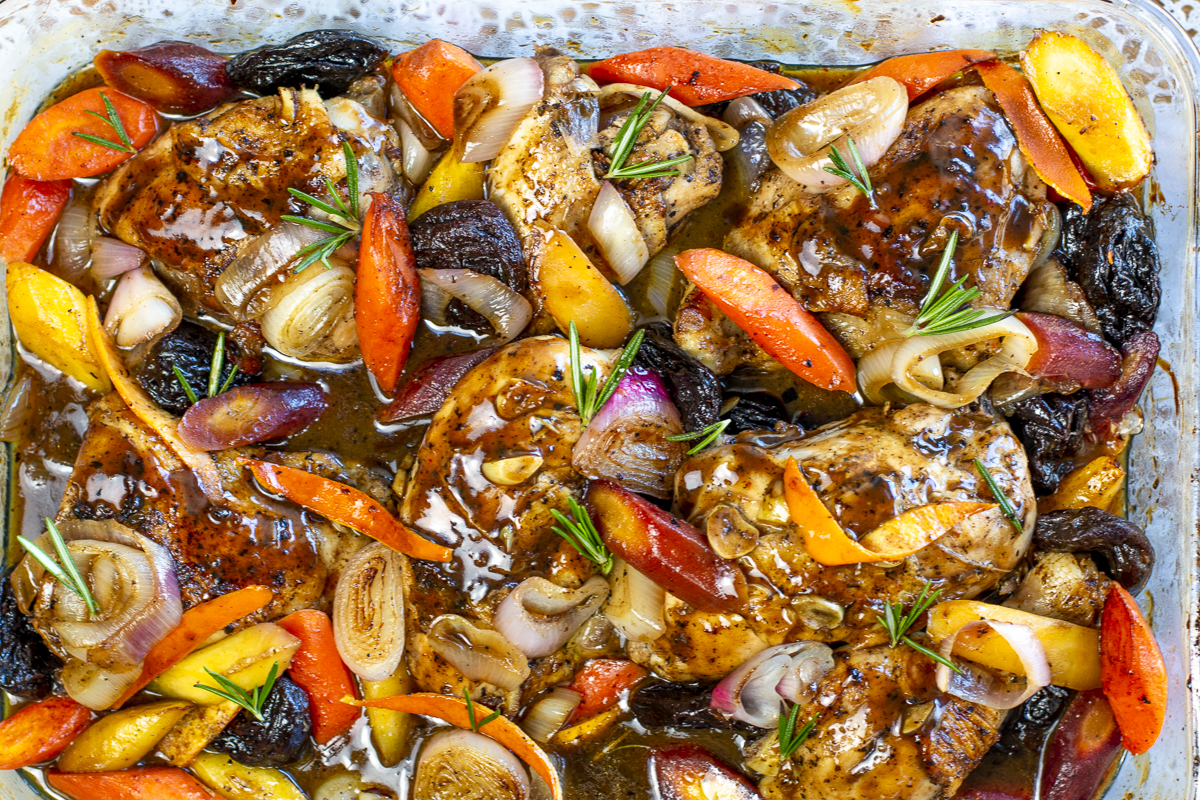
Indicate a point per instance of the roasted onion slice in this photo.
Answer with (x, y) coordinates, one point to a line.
(368, 612)
(137, 593)
(507, 311)
(142, 309)
(482, 655)
(463, 765)
(538, 616)
(871, 113)
(305, 312)
(977, 685)
(491, 104)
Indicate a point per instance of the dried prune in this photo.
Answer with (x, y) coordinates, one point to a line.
(470, 234)
(755, 411)
(679, 705)
(781, 101)
(282, 737)
(1110, 252)
(1051, 426)
(1121, 548)
(329, 60)
(190, 348)
(1027, 726)
(694, 389)
(27, 666)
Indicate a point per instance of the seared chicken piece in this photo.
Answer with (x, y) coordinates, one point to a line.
(867, 469)
(202, 193)
(957, 166)
(495, 461)
(549, 173)
(125, 472)
(884, 732)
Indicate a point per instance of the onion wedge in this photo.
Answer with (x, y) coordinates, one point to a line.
(977, 686)
(828, 543)
(454, 711)
(347, 506)
(144, 408)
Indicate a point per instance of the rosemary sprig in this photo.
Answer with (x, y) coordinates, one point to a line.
(856, 176)
(581, 534)
(790, 739)
(64, 569)
(590, 397)
(627, 137)
(1005, 506)
(347, 218)
(950, 312)
(252, 701)
(113, 120)
(897, 623)
(214, 374)
(475, 726)
(706, 436)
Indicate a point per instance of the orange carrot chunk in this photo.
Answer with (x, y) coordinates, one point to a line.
(1132, 671)
(695, 78)
(319, 670)
(143, 783)
(347, 506)
(387, 293)
(28, 211)
(429, 76)
(921, 72)
(48, 149)
(40, 731)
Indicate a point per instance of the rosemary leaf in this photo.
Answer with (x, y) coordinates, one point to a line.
(627, 137)
(950, 312)
(253, 701)
(64, 570)
(706, 436)
(475, 726)
(856, 176)
(112, 120)
(898, 623)
(187, 387)
(580, 532)
(218, 364)
(1006, 507)
(790, 739)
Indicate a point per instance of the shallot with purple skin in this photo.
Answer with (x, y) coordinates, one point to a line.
(255, 413)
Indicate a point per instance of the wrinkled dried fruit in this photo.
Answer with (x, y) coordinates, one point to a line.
(1111, 253)
(280, 739)
(474, 235)
(1121, 548)
(27, 666)
(254, 413)
(173, 77)
(190, 348)
(694, 389)
(329, 60)
(780, 101)
(755, 411)
(1051, 426)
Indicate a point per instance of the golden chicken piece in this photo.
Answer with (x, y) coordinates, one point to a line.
(867, 469)
(125, 472)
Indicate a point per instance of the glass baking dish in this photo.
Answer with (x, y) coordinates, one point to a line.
(42, 41)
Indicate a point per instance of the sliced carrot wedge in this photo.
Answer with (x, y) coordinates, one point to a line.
(347, 506)
(694, 78)
(453, 710)
(430, 75)
(1132, 671)
(40, 731)
(922, 71)
(828, 543)
(770, 316)
(198, 623)
(1037, 136)
(28, 211)
(387, 292)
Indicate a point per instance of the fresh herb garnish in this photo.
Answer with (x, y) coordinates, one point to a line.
(347, 219)
(949, 312)
(897, 623)
(581, 533)
(1005, 506)
(706, 436)
(113, 120)
(790, 739)
(64, 570)
(857, 177)
(214, 374)
(475, 726)
(252, 701)
(627, 137)
(590, 397)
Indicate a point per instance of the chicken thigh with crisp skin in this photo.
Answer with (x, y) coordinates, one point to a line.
(867, 469)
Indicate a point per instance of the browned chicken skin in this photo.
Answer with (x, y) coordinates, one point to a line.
(957, 166)
(867, 469)
(125, 472)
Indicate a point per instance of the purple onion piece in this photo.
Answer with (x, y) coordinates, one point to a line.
(627, 439)
(429, 386)
(752, 692)
(254, 413)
